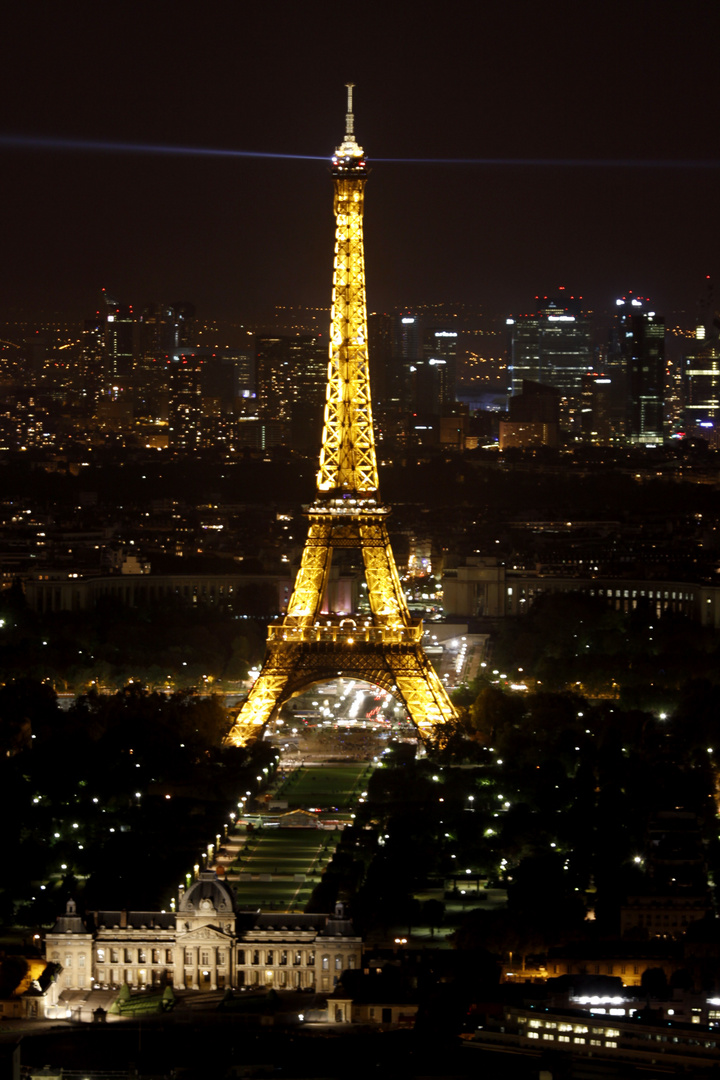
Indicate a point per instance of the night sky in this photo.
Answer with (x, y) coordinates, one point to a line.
(543, 81)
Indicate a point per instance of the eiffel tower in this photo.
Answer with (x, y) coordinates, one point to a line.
(309, 646)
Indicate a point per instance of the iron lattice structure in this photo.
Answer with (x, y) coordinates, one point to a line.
(309, 646)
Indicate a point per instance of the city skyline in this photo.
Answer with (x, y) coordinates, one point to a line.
(512, 150)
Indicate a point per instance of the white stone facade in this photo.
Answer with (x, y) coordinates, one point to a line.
(207, 945)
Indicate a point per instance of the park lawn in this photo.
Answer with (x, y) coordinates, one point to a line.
(274, 895)
(330, 785)
(285, 851)
(280, 853)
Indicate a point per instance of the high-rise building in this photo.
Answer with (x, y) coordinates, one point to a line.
(91, 358)
(553, 345)
(533, 417)
(602, 422)
(308, 366)
(185, 413)
(380, 336)
(37, 348)
(227, 377)
(291, 373)
(273, 378)
(702, 389)
(701, 374)
(119, 328)
(640, 340)
(436, 375)
(406, 354)
(164, 328)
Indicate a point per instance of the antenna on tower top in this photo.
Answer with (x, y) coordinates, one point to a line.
(349, 154)
(349, 118)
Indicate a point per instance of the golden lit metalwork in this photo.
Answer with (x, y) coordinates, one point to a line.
(308, 646)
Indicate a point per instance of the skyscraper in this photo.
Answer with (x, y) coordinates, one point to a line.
(702, 388)
(308, 366)
(273, 388)
(701, 374)
(119, 340)
(406, 353)
(185, 404)
(165, 328)
(641, 343)
(91, 358)
(291, 371)
(436, 378)
(553, 345)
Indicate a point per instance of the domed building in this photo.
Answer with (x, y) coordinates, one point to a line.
(207, 944)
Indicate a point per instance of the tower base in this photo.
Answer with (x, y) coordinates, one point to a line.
(389, 657)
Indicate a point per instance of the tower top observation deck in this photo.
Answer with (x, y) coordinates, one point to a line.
(349, 158)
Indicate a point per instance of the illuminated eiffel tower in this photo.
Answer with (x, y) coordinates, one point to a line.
(309, 646)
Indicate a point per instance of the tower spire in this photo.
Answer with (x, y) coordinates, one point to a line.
(348, 152)
(349, 118)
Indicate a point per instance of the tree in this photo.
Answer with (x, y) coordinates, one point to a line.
(433, 913)
(654, 982)
(492, 713)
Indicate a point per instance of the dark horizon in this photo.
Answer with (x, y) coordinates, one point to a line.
(487, 85)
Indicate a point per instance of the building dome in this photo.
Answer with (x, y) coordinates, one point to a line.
(207, 895)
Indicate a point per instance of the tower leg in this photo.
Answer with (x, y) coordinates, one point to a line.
(422, 691)
(260, 705)
(387, 600)
(312, 577)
